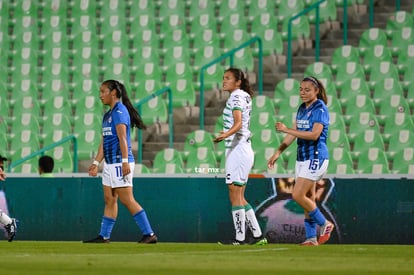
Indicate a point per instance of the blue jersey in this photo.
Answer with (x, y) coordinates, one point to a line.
(305, 119)
(111, 149)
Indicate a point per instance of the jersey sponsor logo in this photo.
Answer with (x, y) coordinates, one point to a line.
(107, 131)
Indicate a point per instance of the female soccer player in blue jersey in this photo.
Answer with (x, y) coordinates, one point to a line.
(118, 167)
(311, 131)
(239, 153)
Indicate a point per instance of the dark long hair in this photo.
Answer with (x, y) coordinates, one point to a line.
(322, 92)
(239, 75)
(121, 93)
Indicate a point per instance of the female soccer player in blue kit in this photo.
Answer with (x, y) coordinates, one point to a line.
(239, 154)
(118, 167)
(311, 131)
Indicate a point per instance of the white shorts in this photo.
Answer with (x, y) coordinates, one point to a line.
(112, 175)
(239, 161)
(311, 169)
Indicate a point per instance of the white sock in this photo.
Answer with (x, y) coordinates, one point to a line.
(239, 220)
(4, 219)
(252, 223)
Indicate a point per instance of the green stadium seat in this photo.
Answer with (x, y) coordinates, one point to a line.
(176, 37)
(391, 105)
(244, 59)
(385, 69)
(90, 121)
(149, 70)
(285, 88)
(343, 54)
(257, 8)
(360, 122)
(400, 139)
(376, 55)
(176, 54)
(145, 37)
(179, 70)
(213, 76)
(145, 87)
(201, 157)
(395, 122)
(337, 138)
(202, 21)
(300, 28)
(340, 162)
(88, 143)
(410, 95)
(327, 11)
(142, 55)
(172, 22)
(172, 7)
(263, 103)
(398, 20)
(401, 39)
(26, 104)
(204, 39)
(261, 157)
(371, 37)
(265, 26)
(336, 121)
(334, 105)
(165, 157)
(235, 21)
(287, 9)
(141, 20)
(360, 103)
(351, 88)
(83, 7)
(261, 120)
(265, 138)
(201, 7)
(367, 139)
(373, 161)
(63, 159)
(385, 87)
(30, 166)
(154, 111)
(228, 7)
(183, 92)
(403, 161)
(233, 37)
(288, 106)
(197, 138)
(140, 169)
(405, 60)
(350, 70)
(61, 127)
(25, 138)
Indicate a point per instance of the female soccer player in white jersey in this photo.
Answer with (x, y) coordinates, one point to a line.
(118, 167)
(9, 223)
(239, 154)
(311, 131)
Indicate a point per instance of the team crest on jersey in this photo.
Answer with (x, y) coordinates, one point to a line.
(110, 119)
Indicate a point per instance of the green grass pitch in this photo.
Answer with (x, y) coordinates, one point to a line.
(31, 257)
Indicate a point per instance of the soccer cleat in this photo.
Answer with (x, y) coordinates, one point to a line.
(310, 242)
(98, 239)
(259, 241)
(326, 231)
(152, 238)
(232, 242)
(11, 230)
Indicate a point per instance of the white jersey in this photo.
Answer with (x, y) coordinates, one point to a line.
(238, 100)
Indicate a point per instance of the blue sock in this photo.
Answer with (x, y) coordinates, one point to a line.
(106, 227)
(143, 223)
(317, 216)
(310, 228)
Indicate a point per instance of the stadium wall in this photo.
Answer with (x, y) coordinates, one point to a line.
(197, 209)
